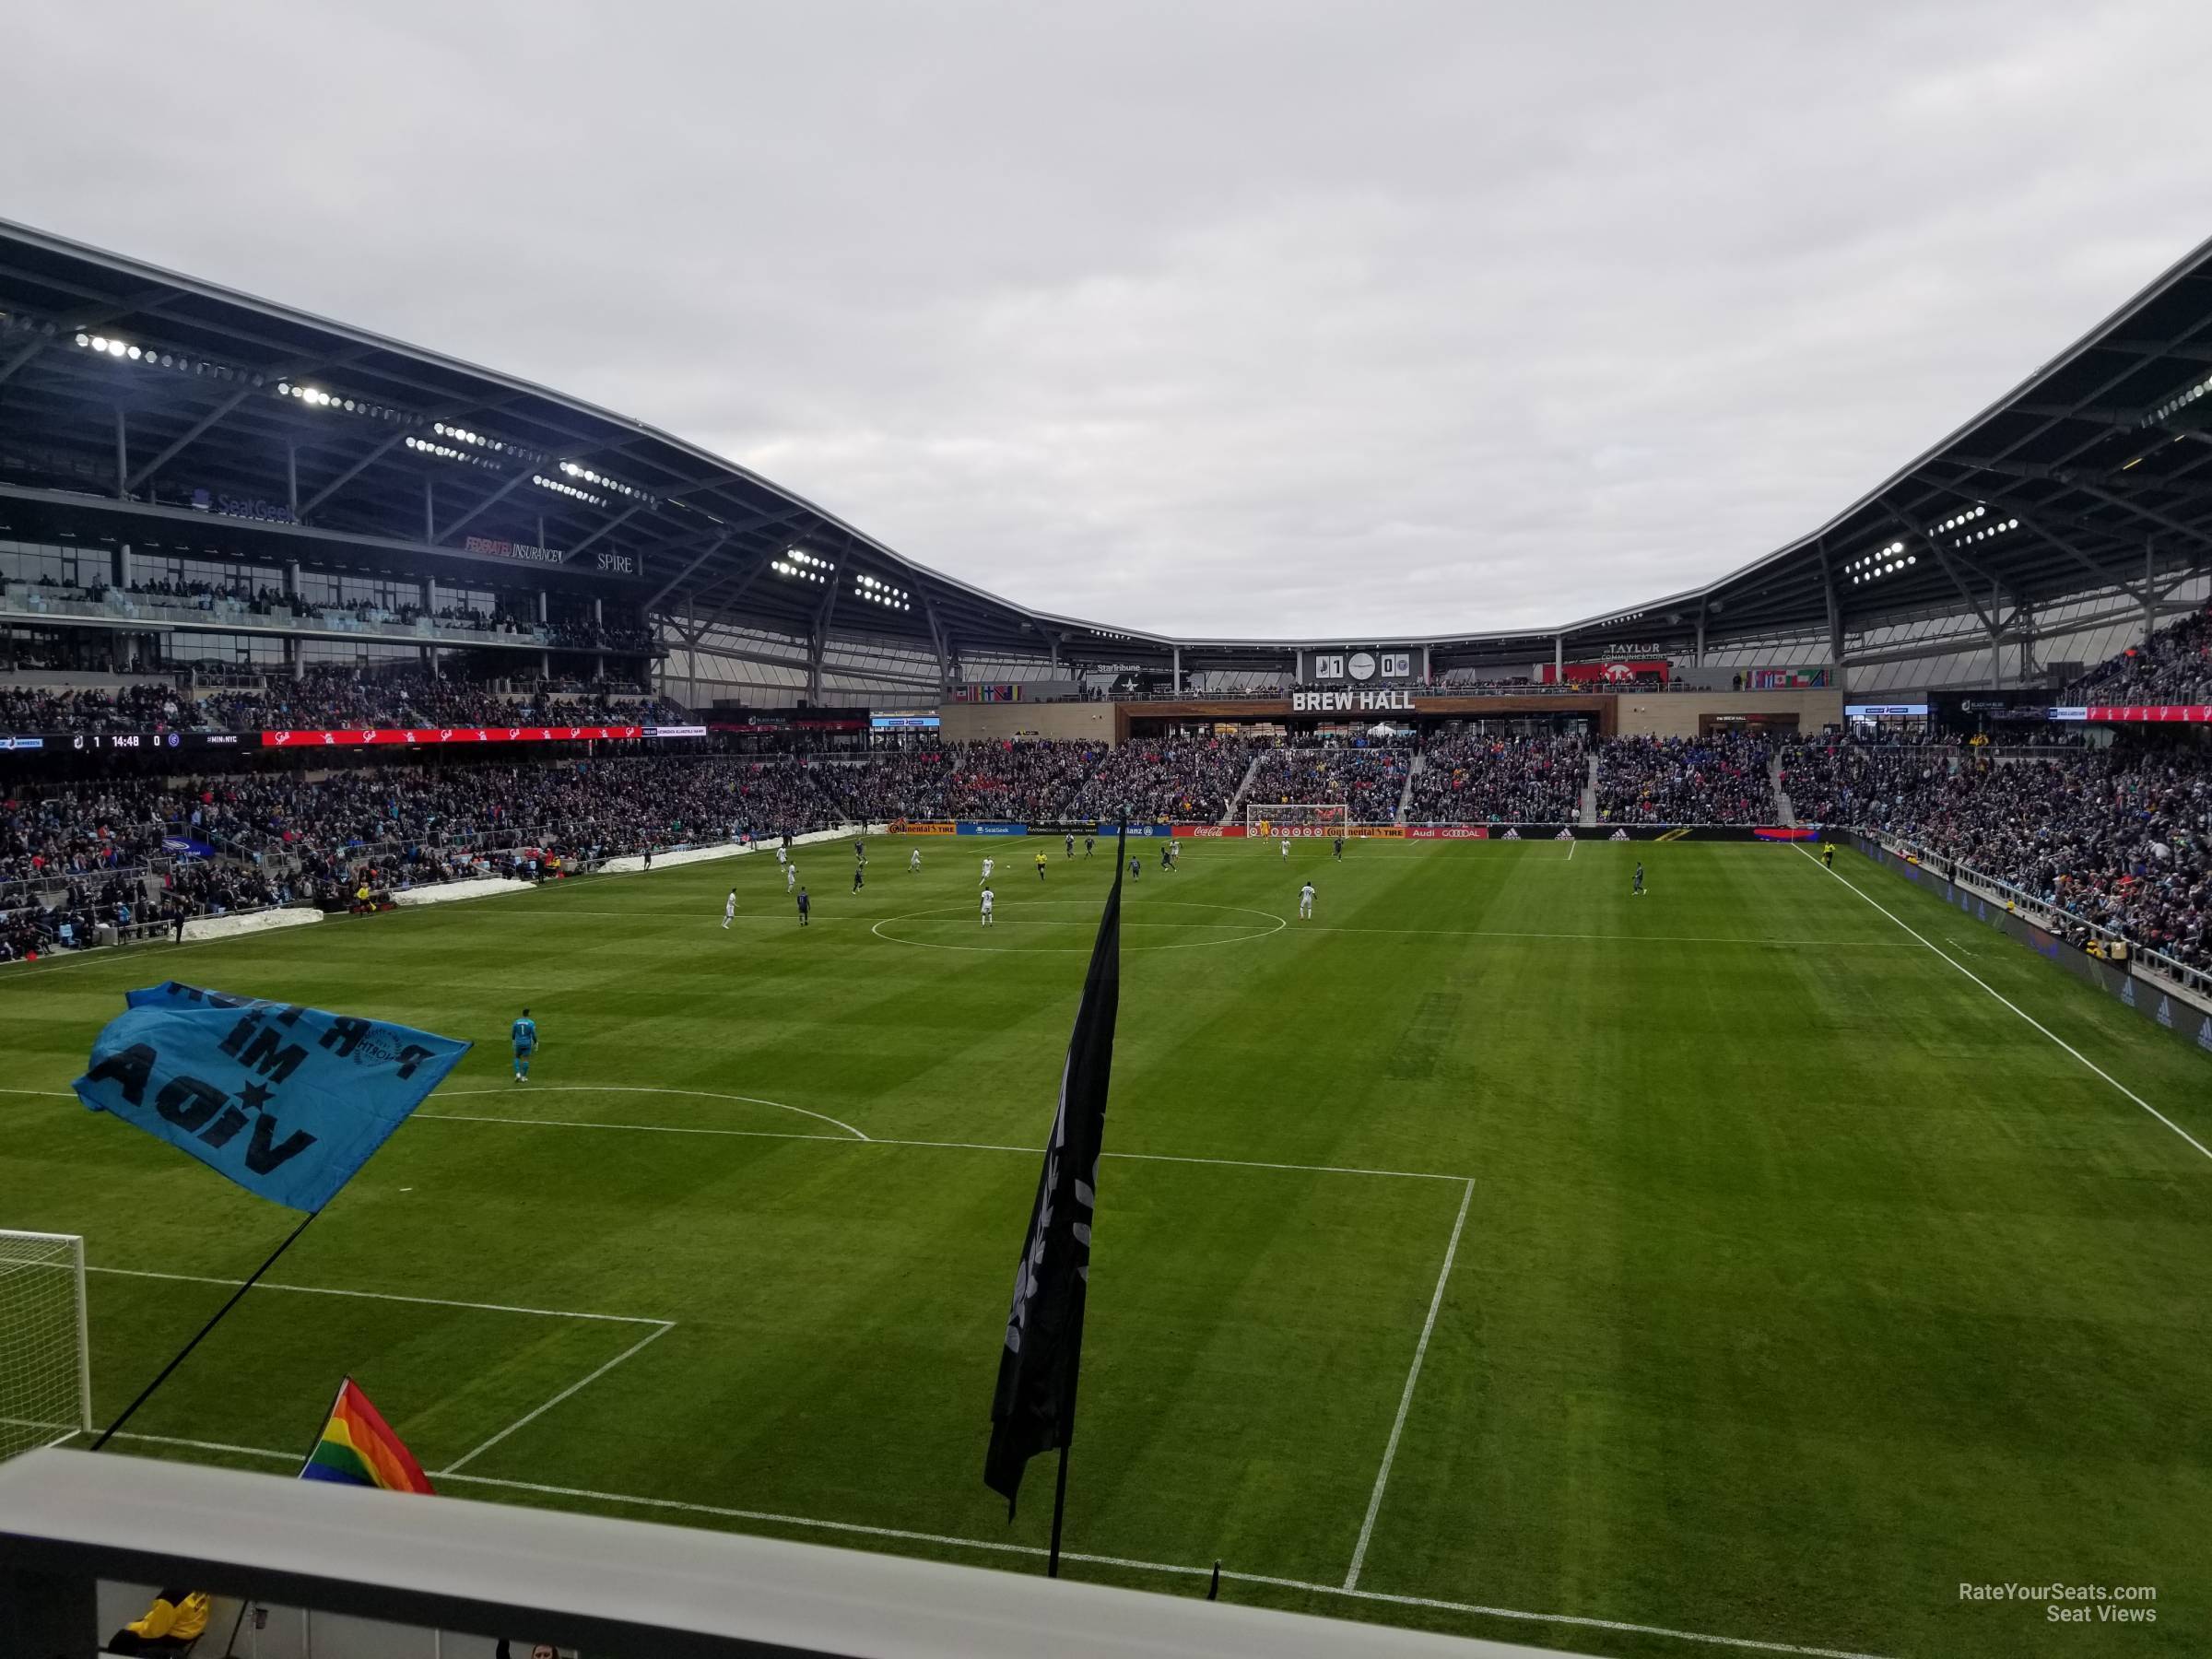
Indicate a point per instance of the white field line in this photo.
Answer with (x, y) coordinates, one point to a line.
(572, 1389)
(1129, 1563)
(2023, 1013)
(1398, 1427)
(838, 1141)
(429, 1301)
(701, 1094)
(856, 1529)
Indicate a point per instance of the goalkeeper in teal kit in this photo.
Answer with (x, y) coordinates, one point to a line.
(525, 1044)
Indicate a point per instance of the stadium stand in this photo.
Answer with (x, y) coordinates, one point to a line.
(2120, 838)
(2174, 665)
(1191, 780)
(1717, 780)
(1474, 780)
(1370, 779)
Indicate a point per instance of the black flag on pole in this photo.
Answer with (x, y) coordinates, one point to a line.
(1034, 1408)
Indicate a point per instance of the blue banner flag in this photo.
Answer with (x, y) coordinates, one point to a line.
(285, 1100)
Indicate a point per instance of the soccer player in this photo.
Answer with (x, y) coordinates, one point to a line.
(914, 862)
(783, 851)
(1041, 867)
(729, 910)
(1340, 849)
(1286, 849)
(1637, 892)
(1167, 855)
(791, 877)
(989, 900)
(987, 868)
(524, 1034)
(1827, 856)
(860, 852)
(1305, 902)
(860, 875)
(1089, 842)
(1071, 844)
(1137, 866)
(802, 909)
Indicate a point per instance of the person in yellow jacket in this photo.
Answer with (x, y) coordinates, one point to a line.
(172, 1624)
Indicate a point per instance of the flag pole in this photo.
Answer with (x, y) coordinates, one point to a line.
(1051, 1566)
(237, 1296)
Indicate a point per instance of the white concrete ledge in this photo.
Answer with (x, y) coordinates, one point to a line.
(446, 892)
(250, 921)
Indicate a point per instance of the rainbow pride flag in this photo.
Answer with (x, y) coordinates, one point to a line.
(357, 1448)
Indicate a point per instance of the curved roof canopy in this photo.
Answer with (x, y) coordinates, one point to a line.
(124, 388)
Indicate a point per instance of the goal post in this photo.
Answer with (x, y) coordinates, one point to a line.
(1296, 818)
(45, 1357)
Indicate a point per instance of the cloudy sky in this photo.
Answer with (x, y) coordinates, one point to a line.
(1248, 319)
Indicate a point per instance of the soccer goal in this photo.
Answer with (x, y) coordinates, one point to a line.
(1297, 817)
(45, 1364)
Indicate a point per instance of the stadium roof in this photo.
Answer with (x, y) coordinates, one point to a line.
(2094, 474)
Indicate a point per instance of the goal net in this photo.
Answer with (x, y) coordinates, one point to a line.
(1296, 818)
(45, 1369)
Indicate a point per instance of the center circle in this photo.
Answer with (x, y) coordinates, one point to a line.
(1015, 918)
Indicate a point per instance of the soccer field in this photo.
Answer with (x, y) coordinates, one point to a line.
(1760, 1258)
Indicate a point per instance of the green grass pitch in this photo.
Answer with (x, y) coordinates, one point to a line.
(1795, 1280)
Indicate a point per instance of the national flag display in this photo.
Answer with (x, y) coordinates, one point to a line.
(286, 1102)
(357, 1448)
(1035, 1407)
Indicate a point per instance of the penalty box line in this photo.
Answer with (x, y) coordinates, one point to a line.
(2007, 1001)
(1420, 1351)
(1125, 1563)
(660, 1328)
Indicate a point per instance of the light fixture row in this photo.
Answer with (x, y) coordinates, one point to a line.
(148, 357)
(561, 487)
(1882, 562)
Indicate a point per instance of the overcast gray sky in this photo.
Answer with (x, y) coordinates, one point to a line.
(1249, 318)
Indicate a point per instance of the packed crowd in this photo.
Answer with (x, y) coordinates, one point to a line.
(1189, 780)
(76, 854)
(1474, 780)
(335, 698)
(1013, 782)
(1717, 780)
(339, 698)
(2173, 666)
(1370, 780)
(132, 708)
(238, 595)
(2120, 837)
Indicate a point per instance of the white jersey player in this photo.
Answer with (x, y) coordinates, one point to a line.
(989, 900)
(782, 853)
(987, 868)
(1305, 902)
(1286, 847)
(791, 877)
(729, 910)
(914, 862)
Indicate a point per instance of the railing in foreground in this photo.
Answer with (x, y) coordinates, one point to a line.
(2156, 964)
(421, 1568)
